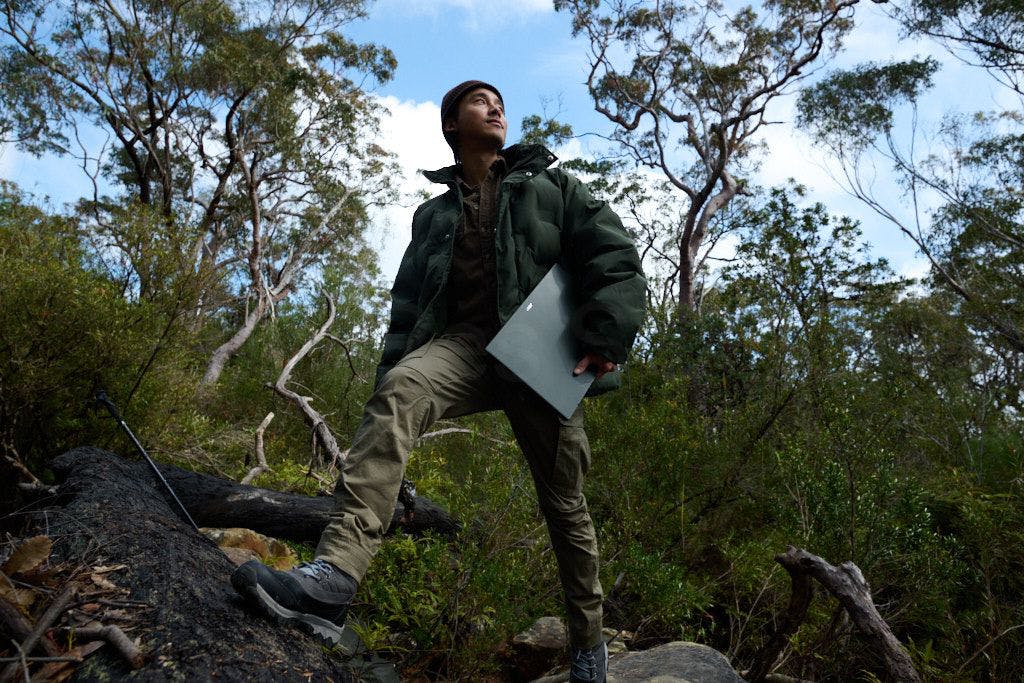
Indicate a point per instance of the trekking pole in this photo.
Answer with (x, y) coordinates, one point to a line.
(101, 397)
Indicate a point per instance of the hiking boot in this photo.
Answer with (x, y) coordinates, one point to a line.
(315, 595)
(589, 665)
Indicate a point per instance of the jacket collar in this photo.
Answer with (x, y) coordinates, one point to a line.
(523, 160)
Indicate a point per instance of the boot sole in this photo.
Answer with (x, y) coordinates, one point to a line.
(325, 631)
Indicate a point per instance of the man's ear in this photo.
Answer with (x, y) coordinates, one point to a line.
(450, 125)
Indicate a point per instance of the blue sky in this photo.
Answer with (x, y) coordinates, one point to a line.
(526, 50)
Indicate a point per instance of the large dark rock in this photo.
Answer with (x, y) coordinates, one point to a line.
(194, 626)
(678, 662)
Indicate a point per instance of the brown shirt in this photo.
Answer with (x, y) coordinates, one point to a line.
(472, 279)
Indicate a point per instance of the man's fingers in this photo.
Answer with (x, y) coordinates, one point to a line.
(601, 365)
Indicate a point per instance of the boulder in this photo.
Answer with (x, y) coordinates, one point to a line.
(678, 662)
(539, 648)
(618, 641)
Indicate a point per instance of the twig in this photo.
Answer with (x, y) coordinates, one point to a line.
(799, 602)
(63, 658)
(261, 458)
(986, 646)
(12, 621)
(20, 661)
(15, 462)
(116, 637)
(52, 613)
(443, 432)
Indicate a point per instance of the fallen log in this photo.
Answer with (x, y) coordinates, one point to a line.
(195, 626)
(216, 502)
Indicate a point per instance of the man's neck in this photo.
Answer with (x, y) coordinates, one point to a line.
(476, 164)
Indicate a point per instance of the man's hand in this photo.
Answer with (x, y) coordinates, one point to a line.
(600, 364)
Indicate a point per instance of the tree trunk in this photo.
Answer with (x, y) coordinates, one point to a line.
(847, 584)
(228, 349)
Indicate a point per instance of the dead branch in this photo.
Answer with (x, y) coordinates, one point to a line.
(117, 639)
(443, 432)
(321, 432)
(12, 621)
(455, 430)
(66, 658)
(799, 602)
(261, 458)
(52, 613)
(15, 462)
(847, 583)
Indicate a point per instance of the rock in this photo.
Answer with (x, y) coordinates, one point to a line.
(241, 545)
(678, 662)
(239, 556)
(618, 641)
(539, 648)
(189, 621)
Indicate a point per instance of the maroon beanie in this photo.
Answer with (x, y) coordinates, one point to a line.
(451, 100)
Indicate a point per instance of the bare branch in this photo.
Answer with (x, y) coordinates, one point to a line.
(322, 433)
(261, 457)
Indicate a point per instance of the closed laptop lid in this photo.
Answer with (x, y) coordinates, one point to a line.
(538, 347)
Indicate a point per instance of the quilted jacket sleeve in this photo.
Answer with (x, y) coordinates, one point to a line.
(404, 296)
(606, 270)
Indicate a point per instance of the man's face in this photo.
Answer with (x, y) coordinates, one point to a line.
(479, 120)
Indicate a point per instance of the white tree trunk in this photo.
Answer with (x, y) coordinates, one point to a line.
(228, 349)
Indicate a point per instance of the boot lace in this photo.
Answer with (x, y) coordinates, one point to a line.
(318, 570)
(584, 666)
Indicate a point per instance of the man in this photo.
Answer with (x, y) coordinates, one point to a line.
(476, 252)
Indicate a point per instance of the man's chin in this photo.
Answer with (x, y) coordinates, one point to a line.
(499, 140)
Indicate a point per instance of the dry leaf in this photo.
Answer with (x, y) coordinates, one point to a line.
(27, 556)
(90, 607)
(102, 582)
(109, 568)
(22, 597)
(55, 672)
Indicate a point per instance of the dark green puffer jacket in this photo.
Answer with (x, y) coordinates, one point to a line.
(544, 216)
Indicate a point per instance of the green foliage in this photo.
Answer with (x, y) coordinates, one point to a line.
(448, 607)
(987, 33)
(244, 136)
(537, 130)
(684, 87)
(853, 107)
(67, 330)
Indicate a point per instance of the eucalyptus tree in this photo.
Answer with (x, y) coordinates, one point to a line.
(961, 202)
(686, 87)
(239, 135)
(984, 33)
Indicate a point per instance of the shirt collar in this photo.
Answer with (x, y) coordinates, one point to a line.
(497, 170)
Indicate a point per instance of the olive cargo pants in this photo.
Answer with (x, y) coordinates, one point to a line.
(450, 376)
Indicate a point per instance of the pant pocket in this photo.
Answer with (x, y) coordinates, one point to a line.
(572, 459)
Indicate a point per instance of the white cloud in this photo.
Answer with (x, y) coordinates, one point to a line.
(6, 160)
(413, 132)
